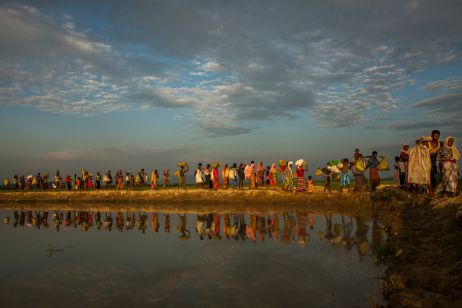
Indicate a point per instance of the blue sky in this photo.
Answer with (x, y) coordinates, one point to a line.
(143, 84)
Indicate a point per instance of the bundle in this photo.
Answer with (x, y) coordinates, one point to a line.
(282, 163)
(383, 164)
(177, 173)
(360, 166)
(182, 164)
(318, 172)
(6, 182)
(215, 164)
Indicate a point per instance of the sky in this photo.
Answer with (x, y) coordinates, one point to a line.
(144, 84)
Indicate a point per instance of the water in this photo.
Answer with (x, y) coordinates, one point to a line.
(301, 258)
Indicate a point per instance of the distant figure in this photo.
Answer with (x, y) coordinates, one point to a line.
(327, 178)
(404, 158)
(154, 177)
(198, 176)
(166, 177)
(310, 184)
(374, 176)
(182, 180)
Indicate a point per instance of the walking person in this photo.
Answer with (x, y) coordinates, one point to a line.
(198, 176)
(448, 157)
(419, 167)
(372, 165)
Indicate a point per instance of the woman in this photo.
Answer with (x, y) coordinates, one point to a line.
(215, 178)
(301, 187)
(419, 167)
(374, 176)
(448, 156)
(225, 176)
(273, 176)
(260, 174)
(166, 177)
(251, 174)
(404, 158)
(198, 176)
(207, 176)
(154, 177)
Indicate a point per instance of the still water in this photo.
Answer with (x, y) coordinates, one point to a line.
(97, 259)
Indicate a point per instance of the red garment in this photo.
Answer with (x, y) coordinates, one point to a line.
(300, 172)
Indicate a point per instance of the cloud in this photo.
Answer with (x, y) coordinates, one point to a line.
(237, 62)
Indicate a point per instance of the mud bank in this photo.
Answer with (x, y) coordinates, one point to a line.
(424, 251)
(163, 197)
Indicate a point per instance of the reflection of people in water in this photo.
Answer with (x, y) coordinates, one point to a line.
(155, 222)
(288, 228)
(242, 230)
(301, 227)
(347, 227)
(361, 234)
(167, 223)
(216, 226)
(142, 222)
(261, 224)
(15, 218)
(98, 220)
(200, 221)
(311, 221)
(108, 221)
(208, 225)
(184, 233)
(273, 226)
(120, 221)
(227, 225)
(58, 219)
(328, 235)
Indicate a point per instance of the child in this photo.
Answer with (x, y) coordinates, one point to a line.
(326, 171)
(345, 176)
(310, 184)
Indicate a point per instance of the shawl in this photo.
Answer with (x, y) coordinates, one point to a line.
(419, 165)
(455, 151)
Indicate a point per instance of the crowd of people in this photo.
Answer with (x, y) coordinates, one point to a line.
(420, 168)
(430, 166)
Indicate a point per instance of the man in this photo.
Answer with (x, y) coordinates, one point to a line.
(434, 146)
(419, 166)
(182, 171)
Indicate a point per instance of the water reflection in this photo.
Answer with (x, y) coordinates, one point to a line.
(286, 228)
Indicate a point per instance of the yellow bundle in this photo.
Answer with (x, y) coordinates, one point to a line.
(360, 166)
(6, 220)
(282, 163)
(177, 173)
(6, 182)
(318, 172)
(182, 164)
(34, 181)
(383, 164)
(215, 164)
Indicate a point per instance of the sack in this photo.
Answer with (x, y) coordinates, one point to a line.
(383, 164)
(336, 177)
(6, 182)
(177, 173)
(34, 181)
(318, 172)
(360, 166)
(334, 169)
(282, 163)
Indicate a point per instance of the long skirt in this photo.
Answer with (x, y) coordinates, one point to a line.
(450, 176)
(374, 177)
(301, 186)
(360, 181)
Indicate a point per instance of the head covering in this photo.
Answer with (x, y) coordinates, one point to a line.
(299, 162)
(403, 150)
(290, 163)
(273, 167)
(455, 151)
(426, 138)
